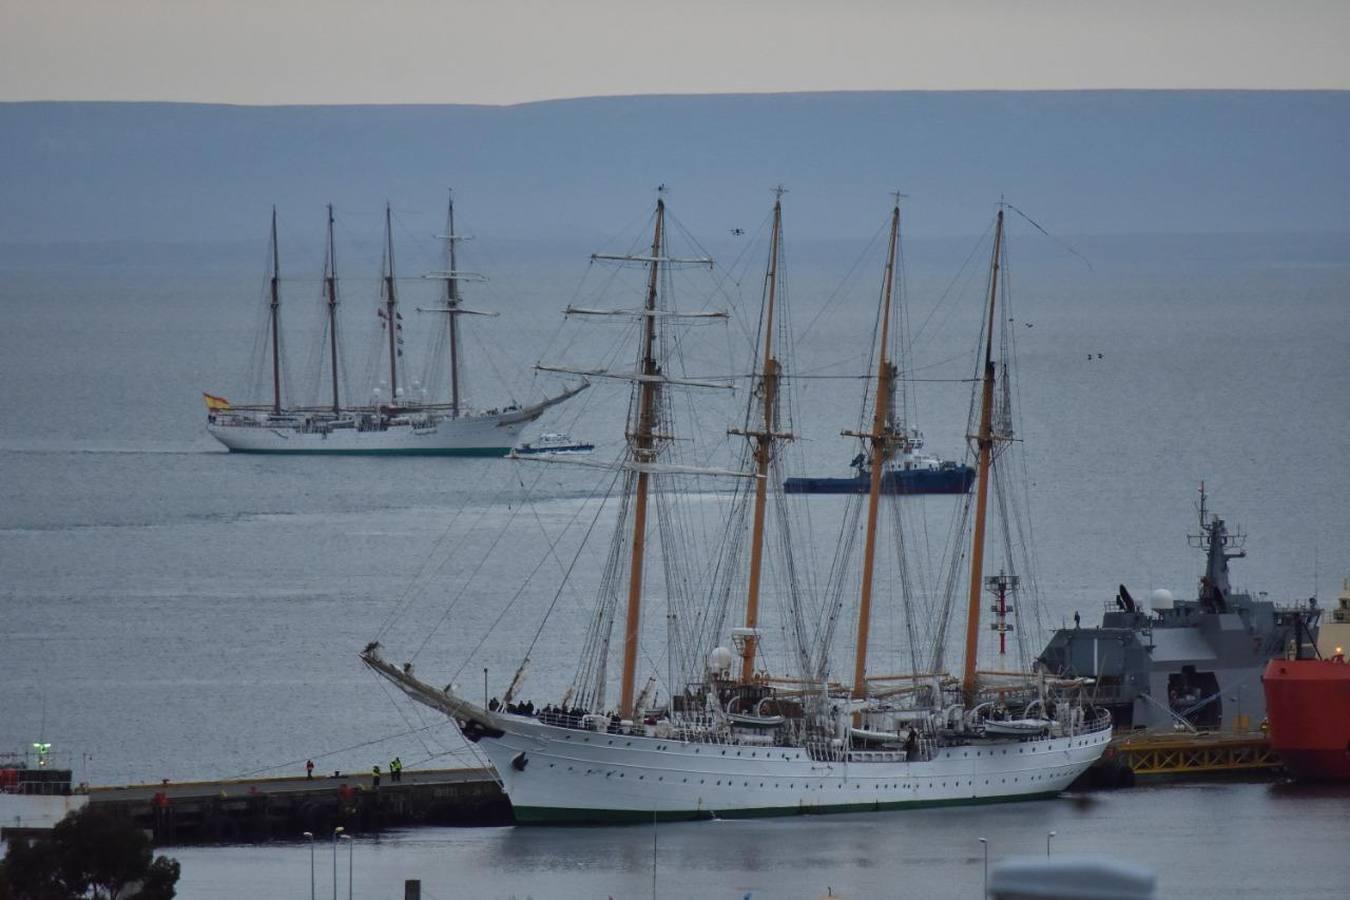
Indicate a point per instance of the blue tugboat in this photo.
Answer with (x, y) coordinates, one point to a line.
(908, 472)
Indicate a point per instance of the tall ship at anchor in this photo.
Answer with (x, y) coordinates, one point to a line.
(763, 730)
(395, 422)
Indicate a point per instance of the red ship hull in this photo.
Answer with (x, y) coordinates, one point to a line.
(1308, 705)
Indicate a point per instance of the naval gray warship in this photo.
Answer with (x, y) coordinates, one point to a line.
(1184, 664)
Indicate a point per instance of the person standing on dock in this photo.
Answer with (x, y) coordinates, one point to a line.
(396, 769)
(375, 777)
(309, 770)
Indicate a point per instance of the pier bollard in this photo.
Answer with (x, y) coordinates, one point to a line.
(412, 889)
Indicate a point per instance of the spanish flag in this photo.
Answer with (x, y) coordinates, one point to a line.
(214, 403)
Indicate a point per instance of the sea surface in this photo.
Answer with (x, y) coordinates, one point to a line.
(168, 610)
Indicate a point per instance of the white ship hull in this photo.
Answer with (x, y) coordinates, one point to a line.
(37, 810)
(575, 777)
(464, 436)
(409, 432)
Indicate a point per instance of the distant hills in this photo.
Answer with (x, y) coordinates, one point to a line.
(1106, 162)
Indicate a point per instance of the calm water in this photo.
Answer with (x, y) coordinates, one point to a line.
(1243, 840)
(173, 611)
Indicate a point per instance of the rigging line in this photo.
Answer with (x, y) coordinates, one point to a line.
(400, 606)
(296, 763)
(865, 253)
(951, 285)
(501, 379)
(698, 247)
(399, 709)
(1063, 243)
(521, 590)
(742, 320)
(464, 587)
(567, 571)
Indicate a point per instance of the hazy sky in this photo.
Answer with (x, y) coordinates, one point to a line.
(511, 51)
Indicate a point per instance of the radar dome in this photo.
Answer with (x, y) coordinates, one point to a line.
(720, 659)
(1161, 599)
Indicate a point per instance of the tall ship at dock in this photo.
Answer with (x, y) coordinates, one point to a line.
(395, 422)
(736, 735)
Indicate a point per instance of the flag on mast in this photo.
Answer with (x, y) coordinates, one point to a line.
(214, 403)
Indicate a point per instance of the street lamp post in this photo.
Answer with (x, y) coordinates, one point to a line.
(984, 842)
(310, 835)
(351, 843)
(1048, 836)
(336, 831)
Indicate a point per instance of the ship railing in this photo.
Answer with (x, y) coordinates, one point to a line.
(1095, 723)
(824, 751)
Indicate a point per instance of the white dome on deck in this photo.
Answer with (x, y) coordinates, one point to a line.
(720, 659)
(1161, 599)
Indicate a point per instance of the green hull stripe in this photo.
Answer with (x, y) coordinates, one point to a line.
(544, 815)
(411, 451)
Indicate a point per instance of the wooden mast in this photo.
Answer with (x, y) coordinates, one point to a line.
(276, 319)
(330, 287)
(452, 303)
(984, 442)
(391, 307)
(880, 439)
(643, 452)
(763, 445)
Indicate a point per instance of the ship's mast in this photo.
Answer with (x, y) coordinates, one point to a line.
(276, 319)
(643, 451)
(391, 306)
(452, 303)
(330, 288)
(763, 444)
(880, 438)
(984, 442)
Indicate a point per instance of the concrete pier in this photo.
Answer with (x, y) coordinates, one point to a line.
(262, 809)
